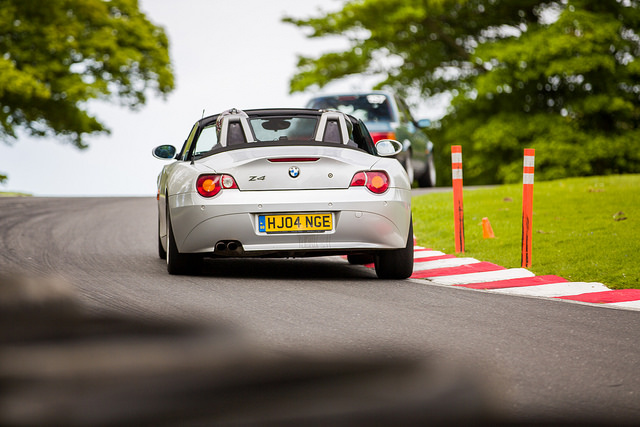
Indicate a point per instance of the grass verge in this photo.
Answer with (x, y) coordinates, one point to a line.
(10, 194)
(585, 229)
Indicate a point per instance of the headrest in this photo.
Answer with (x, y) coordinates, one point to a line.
(227, 138)
(327, 127)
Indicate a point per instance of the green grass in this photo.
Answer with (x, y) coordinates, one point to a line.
(579, 232)
(12, 194)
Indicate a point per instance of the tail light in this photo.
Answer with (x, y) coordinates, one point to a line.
(294, 159)
(376, 181)
(210, 185)
(377, 136)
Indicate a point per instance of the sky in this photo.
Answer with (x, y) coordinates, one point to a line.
(224, 54)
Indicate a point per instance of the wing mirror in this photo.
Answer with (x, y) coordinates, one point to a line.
(164, 152)
(424, 123)
(388, 147)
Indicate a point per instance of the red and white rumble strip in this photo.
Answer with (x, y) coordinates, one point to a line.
(443, 269)
(449, 270)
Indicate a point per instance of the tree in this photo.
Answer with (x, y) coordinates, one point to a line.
(559, 76)
(57, 55)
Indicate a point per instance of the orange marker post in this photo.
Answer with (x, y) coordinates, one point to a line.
(458, 211)
(527, 206)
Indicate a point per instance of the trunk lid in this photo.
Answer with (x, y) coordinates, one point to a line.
(290, 167)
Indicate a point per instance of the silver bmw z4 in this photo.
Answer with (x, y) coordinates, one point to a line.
(284, 183)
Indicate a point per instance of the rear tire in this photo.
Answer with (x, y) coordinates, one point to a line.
(396, 264)
(162, 253)
(179, 263)
(428, 178)
(408, 167)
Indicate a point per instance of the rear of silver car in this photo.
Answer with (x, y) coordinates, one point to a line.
(320, 193)
(258, 218)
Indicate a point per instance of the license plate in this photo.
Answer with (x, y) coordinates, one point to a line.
(295, 223)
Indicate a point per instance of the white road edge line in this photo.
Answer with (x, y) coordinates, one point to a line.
(555, 289)
(443, 263)
(485, 276)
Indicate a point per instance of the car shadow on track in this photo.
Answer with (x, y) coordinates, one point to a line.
(324, 268)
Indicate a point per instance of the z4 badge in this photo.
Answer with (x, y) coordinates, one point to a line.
(256, 178)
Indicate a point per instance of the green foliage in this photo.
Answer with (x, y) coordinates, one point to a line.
(59, 54)
(584, 229)
(562, 77)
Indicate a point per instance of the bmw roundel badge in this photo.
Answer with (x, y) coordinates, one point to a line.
(294, 171)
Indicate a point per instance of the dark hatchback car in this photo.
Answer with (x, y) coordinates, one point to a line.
(387, 116)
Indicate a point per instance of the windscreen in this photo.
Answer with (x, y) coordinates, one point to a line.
(372, 107)
(207, 141)
(283, 128)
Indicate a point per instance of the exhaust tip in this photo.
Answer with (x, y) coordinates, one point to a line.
(228, 247)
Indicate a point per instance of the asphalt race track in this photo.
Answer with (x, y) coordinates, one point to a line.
(527, 359)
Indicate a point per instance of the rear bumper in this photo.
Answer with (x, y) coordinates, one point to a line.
(362, 220)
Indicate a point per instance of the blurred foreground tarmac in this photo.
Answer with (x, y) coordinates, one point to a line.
(60, 365)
